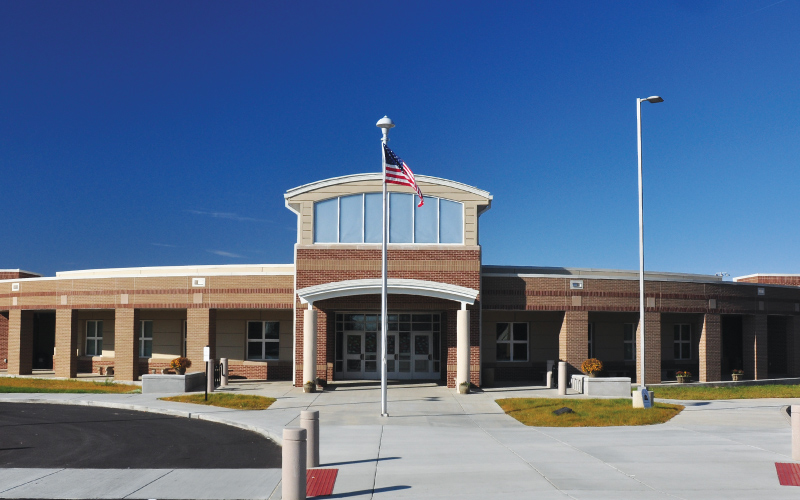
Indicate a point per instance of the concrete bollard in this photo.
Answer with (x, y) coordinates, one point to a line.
(293, 469)
(795, 432)
(210, 376)
(224, 378)
(309, 420)
(562, 378)
(548, 376)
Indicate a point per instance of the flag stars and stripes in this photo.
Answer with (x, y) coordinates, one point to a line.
(397, 172)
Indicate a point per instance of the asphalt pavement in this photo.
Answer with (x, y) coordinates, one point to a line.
(89, 437)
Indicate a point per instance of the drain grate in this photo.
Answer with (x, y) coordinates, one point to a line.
(788, 474)
(319, 482)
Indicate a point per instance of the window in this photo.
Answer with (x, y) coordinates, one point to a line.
(263, 340)
(629, 341)
(357, 219)
(512, 342)
(146, 340)
(683, 341)
(591, 340)
(94, 338)
(184, 338)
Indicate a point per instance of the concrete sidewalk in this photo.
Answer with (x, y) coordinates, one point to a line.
(437, 444)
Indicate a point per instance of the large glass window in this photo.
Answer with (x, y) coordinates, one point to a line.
(683, 341)
(512, 342)
(357, 219)
(94, 338)
(146, 340)
(263, 340)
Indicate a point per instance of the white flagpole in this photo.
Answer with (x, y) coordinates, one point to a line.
(385, 124)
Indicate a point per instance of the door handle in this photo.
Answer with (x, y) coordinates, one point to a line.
(429, 357)
(395, 356)
(361, 357)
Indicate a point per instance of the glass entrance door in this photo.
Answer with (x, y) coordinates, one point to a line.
(412, 346)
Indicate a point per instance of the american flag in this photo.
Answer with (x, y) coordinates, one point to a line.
(397, 172)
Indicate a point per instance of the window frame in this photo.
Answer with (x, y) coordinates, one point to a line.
(263, 340)
(94, 338)
(512, 342)
(632, 341)
(590, 346)
(412, 218)
(680, 342)
(143, 340)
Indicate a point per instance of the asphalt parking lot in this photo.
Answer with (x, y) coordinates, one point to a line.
(53, 436)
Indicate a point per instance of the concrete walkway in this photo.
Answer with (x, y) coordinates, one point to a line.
(437, 444)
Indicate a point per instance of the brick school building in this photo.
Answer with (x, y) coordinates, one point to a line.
(319, 317)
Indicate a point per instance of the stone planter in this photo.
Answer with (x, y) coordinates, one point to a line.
(154, 384)
(309, 387)
(592, 374)
(463, 388)
(683, 380)
(736, 376)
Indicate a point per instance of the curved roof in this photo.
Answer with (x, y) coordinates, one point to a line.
(377, 176)
(394, 286)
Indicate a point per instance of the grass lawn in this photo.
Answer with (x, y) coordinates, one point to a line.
(689, 392)
(538, 412)
(14, 384)
(235, 401)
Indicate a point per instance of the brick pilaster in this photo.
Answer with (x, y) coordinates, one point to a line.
(573, 339)
(126, 344)
(754, 337)
(652, 347)
(3, 340)
(201, 331)
(710, 350)
(20, 342)
(66, 358)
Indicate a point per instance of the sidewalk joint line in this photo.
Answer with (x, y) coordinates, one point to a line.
(148, 484)
(32, 480)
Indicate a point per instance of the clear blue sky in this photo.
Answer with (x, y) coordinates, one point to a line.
(165, 133)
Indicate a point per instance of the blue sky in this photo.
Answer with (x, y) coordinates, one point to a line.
(165, 133)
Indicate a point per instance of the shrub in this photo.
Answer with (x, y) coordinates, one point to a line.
(180, 363)
(737, 371)
(592, 365)
(683, 374)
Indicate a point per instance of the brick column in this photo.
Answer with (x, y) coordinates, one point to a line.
(652, 347)
(20, 342)
(201, 331)
(793, 346)
(3, 340)
(710, 351)
(573, 340)
(754, 351)
(126, 344)
(66, 359)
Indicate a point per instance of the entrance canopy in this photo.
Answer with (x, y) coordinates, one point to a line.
(424, 288)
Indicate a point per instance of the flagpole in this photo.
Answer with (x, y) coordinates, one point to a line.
(385, 124)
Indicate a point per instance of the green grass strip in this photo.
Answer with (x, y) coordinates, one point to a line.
(233, 401)
(34, 385)
(538, 412)
(691, 393)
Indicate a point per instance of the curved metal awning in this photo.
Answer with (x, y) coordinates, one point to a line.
(423, 288)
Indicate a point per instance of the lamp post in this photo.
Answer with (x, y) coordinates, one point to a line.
(653, 99)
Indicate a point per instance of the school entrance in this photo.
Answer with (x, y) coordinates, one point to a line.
(412, 346)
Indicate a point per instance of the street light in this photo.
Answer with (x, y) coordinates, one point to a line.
(653, 99)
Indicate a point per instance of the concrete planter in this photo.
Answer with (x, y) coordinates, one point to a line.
(463, 388)
(736, 377)
(683, 380)
(309, 387)
(158, 384)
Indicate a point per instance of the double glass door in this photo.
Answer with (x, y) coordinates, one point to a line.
(412, 346)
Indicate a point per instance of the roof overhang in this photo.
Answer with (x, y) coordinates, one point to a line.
(348, 288)
(377, 176)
